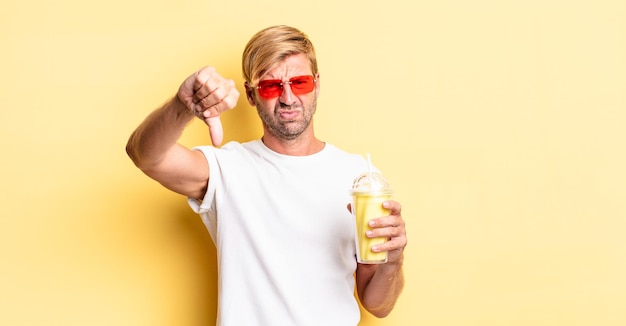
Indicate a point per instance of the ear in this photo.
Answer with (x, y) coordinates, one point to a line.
(317, 85)
(250, 94)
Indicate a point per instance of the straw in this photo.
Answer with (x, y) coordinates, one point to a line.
(369, 169)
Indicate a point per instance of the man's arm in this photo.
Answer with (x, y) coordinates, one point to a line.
(154, 149)
(380, 285)
(153, 145)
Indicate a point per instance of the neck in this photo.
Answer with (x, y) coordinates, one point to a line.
(305, 144)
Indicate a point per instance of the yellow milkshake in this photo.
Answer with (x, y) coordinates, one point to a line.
(369, 191)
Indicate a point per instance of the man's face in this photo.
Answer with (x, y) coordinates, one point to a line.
(288, 115)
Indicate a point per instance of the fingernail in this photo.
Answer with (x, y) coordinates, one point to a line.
(369, 233)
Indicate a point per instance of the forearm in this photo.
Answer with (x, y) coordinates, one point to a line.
(380, 293)
(158, 133)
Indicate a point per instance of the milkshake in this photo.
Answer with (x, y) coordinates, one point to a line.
(369, 191)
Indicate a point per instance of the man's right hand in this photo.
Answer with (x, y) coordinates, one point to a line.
(207, 95)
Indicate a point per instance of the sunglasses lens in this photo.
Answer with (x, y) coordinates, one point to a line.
(270, 88)
(302, 84)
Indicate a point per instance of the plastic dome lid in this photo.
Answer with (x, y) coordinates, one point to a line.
(371, 182)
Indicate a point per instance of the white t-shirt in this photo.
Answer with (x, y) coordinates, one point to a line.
(284, 237)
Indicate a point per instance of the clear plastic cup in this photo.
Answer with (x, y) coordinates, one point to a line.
(369, 191)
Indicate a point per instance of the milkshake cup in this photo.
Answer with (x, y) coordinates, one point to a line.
(369, 191)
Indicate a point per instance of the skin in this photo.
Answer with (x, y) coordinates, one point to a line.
(288, 129)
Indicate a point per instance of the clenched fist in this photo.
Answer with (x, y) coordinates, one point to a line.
(207, 94)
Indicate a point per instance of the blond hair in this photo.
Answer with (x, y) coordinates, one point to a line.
(272, 45)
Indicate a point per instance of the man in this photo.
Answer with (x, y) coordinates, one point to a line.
(275, 207)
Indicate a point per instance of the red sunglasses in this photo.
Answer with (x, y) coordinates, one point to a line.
(272, 88)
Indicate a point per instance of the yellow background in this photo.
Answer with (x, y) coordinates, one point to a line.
(499, 123)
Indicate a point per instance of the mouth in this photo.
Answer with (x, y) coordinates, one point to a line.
(288, 114)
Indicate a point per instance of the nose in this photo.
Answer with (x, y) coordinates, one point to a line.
(287, 97)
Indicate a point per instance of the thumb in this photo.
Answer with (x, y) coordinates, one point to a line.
(215, 130)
